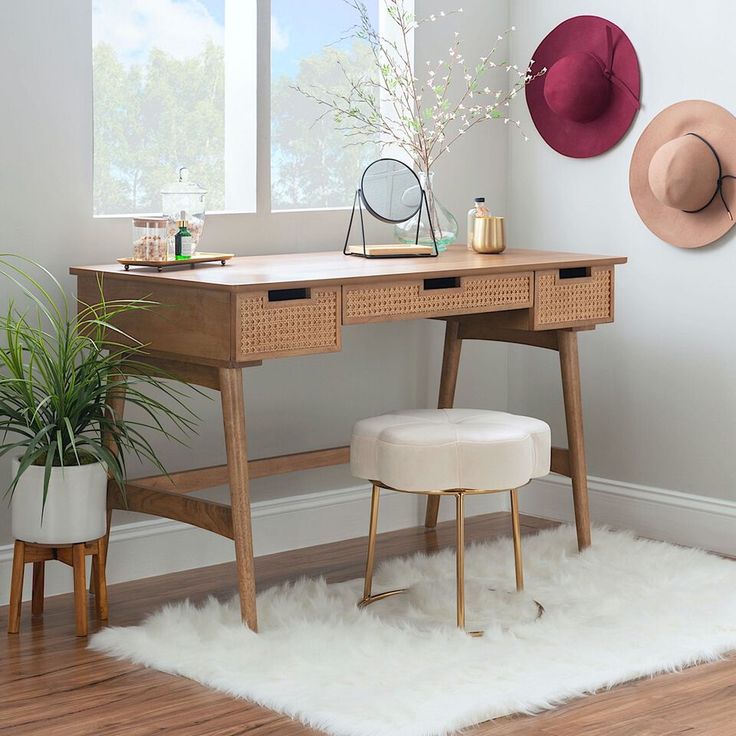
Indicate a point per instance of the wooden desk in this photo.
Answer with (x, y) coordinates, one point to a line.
(221, 319)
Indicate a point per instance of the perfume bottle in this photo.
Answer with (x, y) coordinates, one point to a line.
(183, 243)
(479, 209)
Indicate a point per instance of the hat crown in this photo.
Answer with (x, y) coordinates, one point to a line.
(683, 173)
(576, 87)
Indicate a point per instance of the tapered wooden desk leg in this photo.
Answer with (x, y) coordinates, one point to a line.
(233, 415)
(116, 404)
(570, 369)
(448, 382)
(80, 588)
(37, 590)
(16, 587)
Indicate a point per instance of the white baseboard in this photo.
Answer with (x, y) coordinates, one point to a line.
(145, 548)
(156, 547)
(657, 513)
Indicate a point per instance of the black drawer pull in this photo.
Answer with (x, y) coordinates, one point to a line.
(575, 273)
(287, 295)
(445, 282)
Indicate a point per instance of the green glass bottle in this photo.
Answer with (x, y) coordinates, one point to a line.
(183, 242)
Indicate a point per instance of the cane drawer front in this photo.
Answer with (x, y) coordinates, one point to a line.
(573, 297)
(281, 322)
(436, 297)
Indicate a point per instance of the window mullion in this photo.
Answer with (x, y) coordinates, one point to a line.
(263, 110)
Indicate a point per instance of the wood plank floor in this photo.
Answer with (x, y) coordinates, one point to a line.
(51, 684)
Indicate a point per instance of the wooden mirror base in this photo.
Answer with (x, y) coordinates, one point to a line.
(70, 554)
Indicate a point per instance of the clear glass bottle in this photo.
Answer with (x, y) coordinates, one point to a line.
(479, 209)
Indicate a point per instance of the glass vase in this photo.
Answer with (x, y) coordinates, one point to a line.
(443, 223)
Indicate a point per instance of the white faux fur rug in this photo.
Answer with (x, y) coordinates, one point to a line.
(623, 609)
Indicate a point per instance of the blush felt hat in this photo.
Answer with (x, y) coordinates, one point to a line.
(587, 99)
(682, 176)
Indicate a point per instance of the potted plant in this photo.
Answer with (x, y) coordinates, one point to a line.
(57, 374)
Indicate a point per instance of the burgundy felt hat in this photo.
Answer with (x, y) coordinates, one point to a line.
(587, 99)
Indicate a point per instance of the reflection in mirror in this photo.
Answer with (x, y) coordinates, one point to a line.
(390, 190)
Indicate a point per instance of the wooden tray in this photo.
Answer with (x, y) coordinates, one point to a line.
(393, 249)
(191, 262)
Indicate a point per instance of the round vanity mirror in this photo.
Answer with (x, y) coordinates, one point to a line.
(390, 190)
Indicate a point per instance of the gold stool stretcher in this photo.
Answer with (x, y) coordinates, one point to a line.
(459, 494)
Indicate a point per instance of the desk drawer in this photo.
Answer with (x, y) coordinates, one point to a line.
(571, 297)
(435, 297)
(281, 322)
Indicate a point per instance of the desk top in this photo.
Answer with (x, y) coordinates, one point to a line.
(332, 267)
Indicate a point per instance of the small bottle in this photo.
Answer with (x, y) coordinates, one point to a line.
(183, 243)
(479, 210)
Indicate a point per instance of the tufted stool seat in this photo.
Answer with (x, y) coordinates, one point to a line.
(449, 452)
(443, 449)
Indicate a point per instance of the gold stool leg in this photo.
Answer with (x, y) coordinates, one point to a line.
(460, 557)
(516, 531)
(372, 530)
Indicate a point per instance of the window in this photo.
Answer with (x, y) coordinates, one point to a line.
(174, 85)
(313, 164)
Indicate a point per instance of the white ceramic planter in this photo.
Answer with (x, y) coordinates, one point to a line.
(76, 505)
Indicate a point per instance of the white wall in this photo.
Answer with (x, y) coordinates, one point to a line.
(659, 384)
(660, 403)
(294, 404)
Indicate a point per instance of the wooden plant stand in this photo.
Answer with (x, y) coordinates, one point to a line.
(70, 554)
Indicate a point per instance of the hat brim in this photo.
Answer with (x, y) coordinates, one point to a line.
(685, 229)
(583, 140)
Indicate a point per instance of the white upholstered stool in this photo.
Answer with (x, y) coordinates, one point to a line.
(448, 452)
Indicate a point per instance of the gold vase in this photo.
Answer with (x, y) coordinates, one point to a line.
(488, 234)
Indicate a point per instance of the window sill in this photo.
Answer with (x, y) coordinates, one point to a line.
(211, 213)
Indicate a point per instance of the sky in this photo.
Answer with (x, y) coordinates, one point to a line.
(179, 27)
(299, 28)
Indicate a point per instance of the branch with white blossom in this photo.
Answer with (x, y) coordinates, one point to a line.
(424, 119)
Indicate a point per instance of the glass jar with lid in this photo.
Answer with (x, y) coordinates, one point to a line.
(184, 195)
(150, 239)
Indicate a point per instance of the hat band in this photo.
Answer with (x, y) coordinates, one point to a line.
(607, 69)
(719, 182)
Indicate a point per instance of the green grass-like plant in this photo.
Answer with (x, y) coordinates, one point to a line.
(58, 372)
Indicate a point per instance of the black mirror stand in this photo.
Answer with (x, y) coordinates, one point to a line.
(359, 200)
